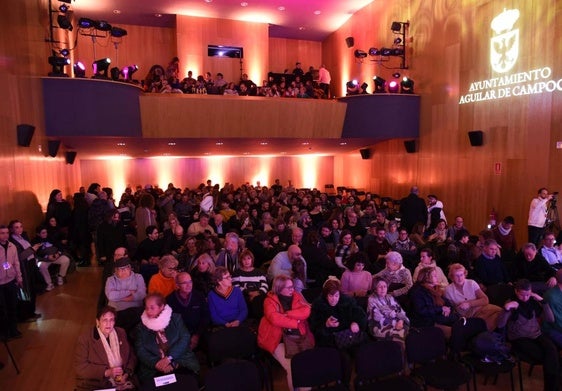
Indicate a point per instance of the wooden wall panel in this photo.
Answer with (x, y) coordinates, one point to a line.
(190, 172)
(247, 116)
(450, 48)
(194, 34)
(284, 53)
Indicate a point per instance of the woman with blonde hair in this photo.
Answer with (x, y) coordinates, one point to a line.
(467, 297)
(284, 311)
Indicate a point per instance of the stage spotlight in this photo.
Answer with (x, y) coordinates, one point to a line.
(102, 25)
(359, 54)
(100, 68)
(64, 22)
(127, 72)
(396, 75)
(393, 87)
(386, 52)
(85, 23)
(63, 8)
(64, 52)
(397, 41)
(79, 69)
(374, 52)
(117, 32)
(58, 64)
(380, 84)
(406, 86)
(396, 27)
(398, 51)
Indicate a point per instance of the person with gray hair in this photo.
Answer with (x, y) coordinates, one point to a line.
(399, 278)
(530, 264)
(228, 256)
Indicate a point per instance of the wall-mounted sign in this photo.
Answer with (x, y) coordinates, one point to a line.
(504, 52)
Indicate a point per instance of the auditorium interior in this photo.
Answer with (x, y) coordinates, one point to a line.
(480, 127)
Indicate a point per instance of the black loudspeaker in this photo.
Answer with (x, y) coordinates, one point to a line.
(70, 156)
(349, 41)
(410, 146)
(476, 138)
(365, 153)
(53, 146)
(25, 134)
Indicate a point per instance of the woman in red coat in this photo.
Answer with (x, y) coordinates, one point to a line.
(283, 309)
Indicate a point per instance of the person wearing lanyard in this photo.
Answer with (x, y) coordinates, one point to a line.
(10, 280)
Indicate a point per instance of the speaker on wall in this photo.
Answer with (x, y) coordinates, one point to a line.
(53, 146)
(70, 156)
(365, 153)
(349, 41)
(25, 134)
(411, 146)
(476, 138)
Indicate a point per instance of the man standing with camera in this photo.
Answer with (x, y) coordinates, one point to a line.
(537, 215)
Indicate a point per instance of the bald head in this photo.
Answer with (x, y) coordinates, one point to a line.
(294, 252)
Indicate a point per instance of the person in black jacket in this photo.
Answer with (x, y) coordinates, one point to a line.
(332, 313)
(530, 264)
(412, 210)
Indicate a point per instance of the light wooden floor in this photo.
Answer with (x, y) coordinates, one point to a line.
(45, 354)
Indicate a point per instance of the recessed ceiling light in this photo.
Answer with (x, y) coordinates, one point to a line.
(219, 143)
(158, 15)
(246, 153)
(117, 12)
(264, 143)
(171, 144)
(207, 153)
(301, 28)
(317, 12)
(281, 8)
(306, 143)
(244, 4)
(121, 144)
(343, 143)
(208, 1)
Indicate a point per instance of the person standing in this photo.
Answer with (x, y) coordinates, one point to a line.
(324, 80)
(537, 215)
(412, 209)
(10, 280)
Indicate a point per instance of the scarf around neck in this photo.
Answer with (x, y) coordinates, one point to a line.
(112, 349)
(160, 322)
(503, 231)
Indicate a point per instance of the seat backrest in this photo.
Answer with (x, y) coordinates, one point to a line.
(425, 344)
(378, 359)
(316, 367)
(233, 376)
(231, 342)
(498, 294)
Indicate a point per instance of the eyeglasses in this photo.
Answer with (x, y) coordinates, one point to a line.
(290, 287)
(228, 277)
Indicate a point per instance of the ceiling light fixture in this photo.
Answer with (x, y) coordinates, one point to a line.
(244, 4)
(317, 12)
(117, 12)
(281, 8)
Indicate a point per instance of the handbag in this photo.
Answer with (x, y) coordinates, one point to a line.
(295, 342)
(346, 338)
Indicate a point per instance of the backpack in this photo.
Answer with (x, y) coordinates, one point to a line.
(490, 346)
